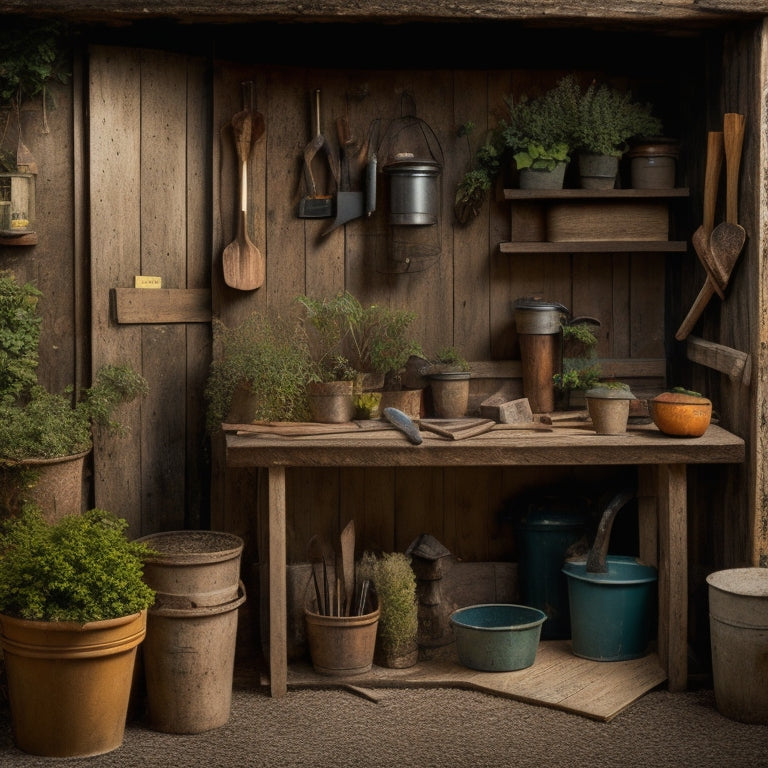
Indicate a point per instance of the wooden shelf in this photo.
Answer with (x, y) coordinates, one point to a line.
(591, 221)
(593, 194)
(597, 246)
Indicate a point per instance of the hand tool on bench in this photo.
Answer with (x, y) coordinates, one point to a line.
(404, 423)
(242, 262)
(727, 238)
(315, 205)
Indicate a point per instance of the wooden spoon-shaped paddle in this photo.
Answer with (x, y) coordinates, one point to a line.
(701, 236)
(242, 262)
(727, 238)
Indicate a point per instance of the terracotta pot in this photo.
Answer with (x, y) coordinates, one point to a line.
(609, 409)
(331, 402)
(69, 684)
(680, 414)
(450, 394)
(406, 400)
(342, 645)
(58, 490)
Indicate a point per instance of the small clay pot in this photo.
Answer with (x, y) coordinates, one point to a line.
(681, 414)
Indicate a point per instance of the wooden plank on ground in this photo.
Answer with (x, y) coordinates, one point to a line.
(557, 679)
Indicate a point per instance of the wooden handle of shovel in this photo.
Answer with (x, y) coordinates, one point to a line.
(733, 130)
(694, 313)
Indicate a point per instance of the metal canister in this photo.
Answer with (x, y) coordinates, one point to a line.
(414, 197)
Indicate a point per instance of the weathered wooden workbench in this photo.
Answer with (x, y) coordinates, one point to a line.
(662, 498)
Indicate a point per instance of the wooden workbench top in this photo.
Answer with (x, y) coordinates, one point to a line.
(566, 444)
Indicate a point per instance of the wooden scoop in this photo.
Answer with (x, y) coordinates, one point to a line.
(701, 236)
(242, 262)
(727, 239)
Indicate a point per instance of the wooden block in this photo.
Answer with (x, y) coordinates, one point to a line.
(612, 220)
(506, 411)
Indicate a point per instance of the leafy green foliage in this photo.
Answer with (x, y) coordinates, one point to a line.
(270, 356)
(31, 56)
(608, 118)
(45, 425)
(447, 359)
(539, 131)
(395, 585)
(372, 338)
(19, 335)
(81, 569)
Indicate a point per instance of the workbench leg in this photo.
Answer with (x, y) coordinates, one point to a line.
(673, 573)
(278, 613)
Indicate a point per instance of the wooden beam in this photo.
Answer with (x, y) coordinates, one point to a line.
(161, 305)
(733, 363)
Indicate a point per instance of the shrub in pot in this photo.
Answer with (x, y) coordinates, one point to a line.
(44, 433)
(607, 118)
(449, 375)
(73, 608)
(260, 372)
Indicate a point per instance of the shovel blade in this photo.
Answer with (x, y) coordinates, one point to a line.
(349, 206)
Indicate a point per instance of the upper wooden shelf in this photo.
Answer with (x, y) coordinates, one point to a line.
(596, 246)
(593, 194)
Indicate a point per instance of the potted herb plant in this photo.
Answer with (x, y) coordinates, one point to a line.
(607, 118)
(45, 436)
(369, 344)
(608, 406)
(73, 610)
(260, 372)
(537, 133)
(449, 377)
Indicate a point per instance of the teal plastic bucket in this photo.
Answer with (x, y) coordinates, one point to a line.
(546, 532)
(611, 612)
(497, 637)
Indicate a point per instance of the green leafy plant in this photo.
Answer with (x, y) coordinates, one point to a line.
(447, 359)
(607, 118)
(270, 357)
(348, 338)
(19, 334)
(395, 585)
(81, 568)
(35, 423)
(578, 351)
(539, 131)
(44, 425)
(367, 405)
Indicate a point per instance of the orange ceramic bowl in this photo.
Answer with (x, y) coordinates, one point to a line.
(680, 414)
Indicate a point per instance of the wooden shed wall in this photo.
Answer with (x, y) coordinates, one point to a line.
(159, 168)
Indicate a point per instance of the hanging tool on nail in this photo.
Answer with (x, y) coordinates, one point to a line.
(316, 205)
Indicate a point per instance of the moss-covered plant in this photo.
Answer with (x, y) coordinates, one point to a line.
(81, 568)
(267, 355)
(395, 584)
(607, 118)
(347, 338)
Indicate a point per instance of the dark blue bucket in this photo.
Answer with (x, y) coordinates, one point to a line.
(546, 532)
(611, 612)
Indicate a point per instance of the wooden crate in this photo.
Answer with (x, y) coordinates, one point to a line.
(585, 220)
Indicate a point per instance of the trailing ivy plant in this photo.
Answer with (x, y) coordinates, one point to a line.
(80, 569)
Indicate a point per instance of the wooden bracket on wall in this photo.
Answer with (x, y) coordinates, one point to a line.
(161, 305)
(733, 363)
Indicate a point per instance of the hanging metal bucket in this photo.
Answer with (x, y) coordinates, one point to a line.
(413, 191)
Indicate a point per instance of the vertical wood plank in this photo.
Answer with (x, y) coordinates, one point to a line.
(673, 574)
(115, 239)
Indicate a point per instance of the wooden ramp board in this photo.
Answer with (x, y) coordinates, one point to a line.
(557, 679)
